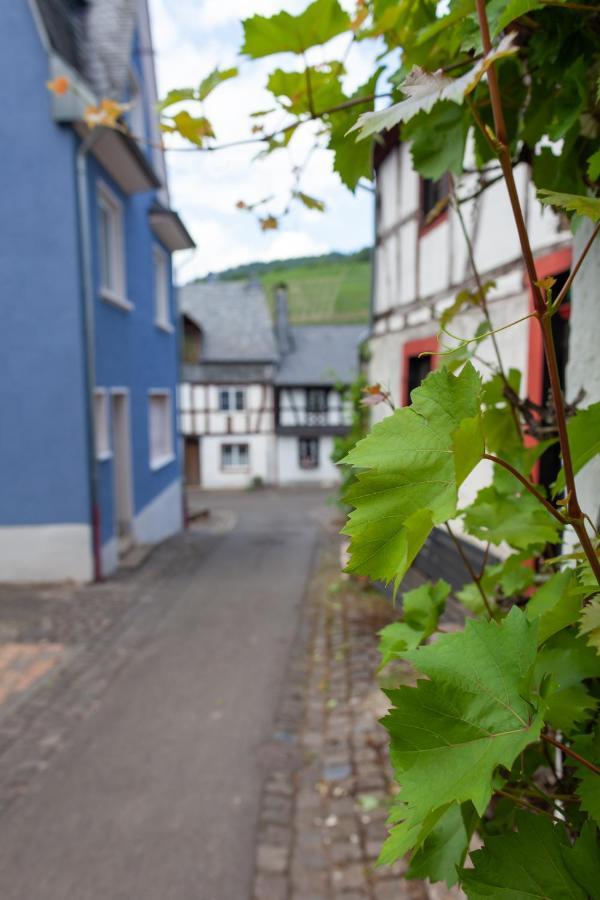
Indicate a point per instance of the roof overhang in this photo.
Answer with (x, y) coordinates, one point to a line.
(169, 229)
(122, 158)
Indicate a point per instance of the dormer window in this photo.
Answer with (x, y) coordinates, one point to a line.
(316, 400)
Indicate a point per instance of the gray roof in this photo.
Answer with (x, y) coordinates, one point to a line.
(95, 37)
(234, 318)
(322, 355)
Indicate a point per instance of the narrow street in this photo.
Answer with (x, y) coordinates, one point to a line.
(153, 791)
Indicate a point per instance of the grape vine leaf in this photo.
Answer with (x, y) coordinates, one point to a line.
(285, 33)
(584, 437)
(536, 861)
(450, 733)
(313, 89)
(510, 11)
(422, 608)
(562, 667)
(590, 624)
(517, 518)
(588, 787)
(440, 147)
(443, 850)
(213, 80)
(351, 161)
(410, 483)
(554, 604)
(582, 205)
(425, 89)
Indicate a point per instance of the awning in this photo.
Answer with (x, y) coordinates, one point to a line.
(169, 229)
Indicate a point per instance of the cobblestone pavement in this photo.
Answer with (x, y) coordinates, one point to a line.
(324, 801)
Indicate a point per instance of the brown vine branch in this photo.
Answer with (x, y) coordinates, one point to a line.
(568, 752)
(473, 574)
(541, 310)
(527, 484)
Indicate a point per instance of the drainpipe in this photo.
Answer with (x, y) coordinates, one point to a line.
(87, 298)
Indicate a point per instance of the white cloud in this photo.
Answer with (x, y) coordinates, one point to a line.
(191, 37)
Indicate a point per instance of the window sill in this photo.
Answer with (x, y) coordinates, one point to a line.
(236, 470)
(115, 299)
(165, 326)
(161, 461)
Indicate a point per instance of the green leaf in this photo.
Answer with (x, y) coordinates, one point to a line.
(504, 579)
(438, 140)
(450, 733)
(554, 605)
(216, 77)
(394, 639)
(285, 33)
(422, 608)
(443, 851)
(590, 624)
(309, 202)
(517, 518)
(352, 161)
(584, 437)
(193, 129)
(588, 787)
(468, 447)
(325, 88)
(536, 861)
(411, 479)
(562, 666)
(583, 206)
(176, 96)
(425, 89)
(514, 9)
(594, 166)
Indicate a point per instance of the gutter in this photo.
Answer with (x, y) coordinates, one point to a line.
(87, 303)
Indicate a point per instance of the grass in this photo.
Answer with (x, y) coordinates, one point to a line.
(324, 292)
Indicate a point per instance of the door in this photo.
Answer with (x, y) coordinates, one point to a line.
(122, 463)
(192, 461)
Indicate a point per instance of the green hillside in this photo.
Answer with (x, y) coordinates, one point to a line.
(333, 288)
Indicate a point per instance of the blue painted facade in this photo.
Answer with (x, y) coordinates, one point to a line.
(45, 460)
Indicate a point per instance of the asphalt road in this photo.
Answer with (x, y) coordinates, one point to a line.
(157, 794)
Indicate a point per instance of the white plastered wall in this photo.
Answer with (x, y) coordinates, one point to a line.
(261, 462)
(288, 466)
(40, 553)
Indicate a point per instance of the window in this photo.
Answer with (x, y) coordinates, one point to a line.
(162, 286)
(432, 193)
(101, 426)
(232, 399)
(235, 457)
(111, 248)
(316, 400)
(419, 368)
(417, 362)
(308, 452)
(160, 428)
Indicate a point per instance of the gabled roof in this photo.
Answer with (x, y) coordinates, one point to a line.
(234, 318)
(322, 355)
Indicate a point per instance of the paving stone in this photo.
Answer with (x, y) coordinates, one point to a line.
(350, 877)
(270, 887)
(272, 859)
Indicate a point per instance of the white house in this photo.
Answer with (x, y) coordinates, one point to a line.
(260, 403)
(421, 265)
(226, 390)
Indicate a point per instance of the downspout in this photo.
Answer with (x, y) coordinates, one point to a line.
(87, 298)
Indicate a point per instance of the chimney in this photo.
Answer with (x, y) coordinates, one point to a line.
(282, 323)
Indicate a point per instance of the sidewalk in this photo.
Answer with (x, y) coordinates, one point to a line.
(325, 800)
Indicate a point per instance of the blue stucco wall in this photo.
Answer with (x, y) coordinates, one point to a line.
(43, 466)
(131, 351)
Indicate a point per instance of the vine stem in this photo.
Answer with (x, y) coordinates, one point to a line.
(541, 311)
(474, 576)
(526, 484)
(568, 752)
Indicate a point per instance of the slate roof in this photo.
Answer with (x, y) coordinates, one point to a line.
(322, 355)
(234, 318)
(94, 37)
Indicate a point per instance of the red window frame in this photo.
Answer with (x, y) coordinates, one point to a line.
(426, 227)
(549, 264)
(410, 350)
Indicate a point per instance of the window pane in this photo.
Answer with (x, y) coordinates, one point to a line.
(227, 454)
(161, 434)
(224, 400)
(239, 400)
(161, 288)
(107, 270)
(243, 454)
(308, 453)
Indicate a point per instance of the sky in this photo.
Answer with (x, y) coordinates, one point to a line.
(191, 38)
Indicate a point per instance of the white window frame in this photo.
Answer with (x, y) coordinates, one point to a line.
(231, 393)
(162, 285)
(166, 454)
(236, 468)
(102, 424)
(110, 204)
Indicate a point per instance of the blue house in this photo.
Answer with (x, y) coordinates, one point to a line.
(89, 460)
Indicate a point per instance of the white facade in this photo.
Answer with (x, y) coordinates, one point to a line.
(292, 470)
(420, 268)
